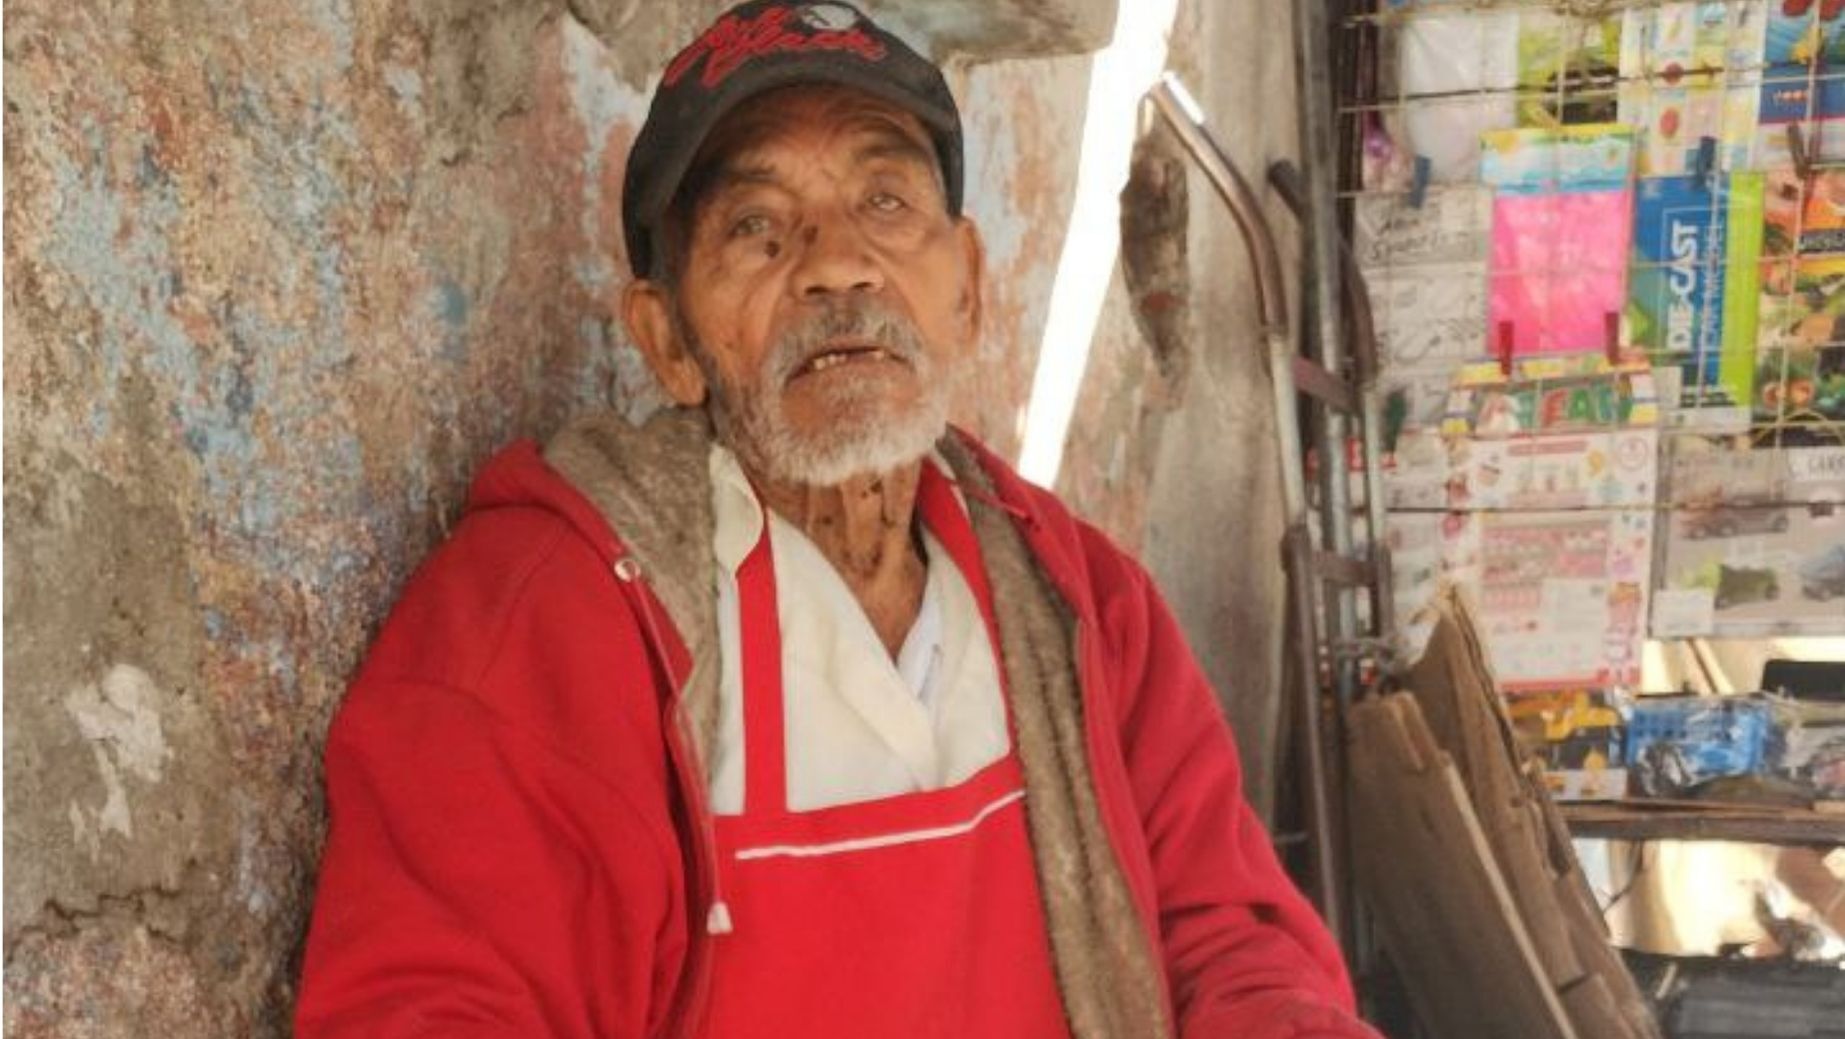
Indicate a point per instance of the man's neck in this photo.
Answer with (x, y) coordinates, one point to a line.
(866, 528)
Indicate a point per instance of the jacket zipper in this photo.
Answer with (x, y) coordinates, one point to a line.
(684, 754)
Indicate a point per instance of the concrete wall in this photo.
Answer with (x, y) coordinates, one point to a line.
(1173, 446)
(1215, 521)
(279, 276)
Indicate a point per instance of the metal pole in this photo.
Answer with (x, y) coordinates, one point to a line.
(1319, 146)
(1176, 106)
(1319, 149)
(1285, 178)
(1181, 112)
(1371, 414)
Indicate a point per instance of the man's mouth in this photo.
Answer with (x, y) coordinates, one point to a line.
(836, 356)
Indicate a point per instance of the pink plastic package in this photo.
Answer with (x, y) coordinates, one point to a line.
(1562, 222)
(1557, 281)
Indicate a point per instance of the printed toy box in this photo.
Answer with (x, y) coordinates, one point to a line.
(1580, 735)
(1811, 748)
(1676, 743)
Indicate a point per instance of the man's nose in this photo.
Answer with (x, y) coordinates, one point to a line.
(834, 258)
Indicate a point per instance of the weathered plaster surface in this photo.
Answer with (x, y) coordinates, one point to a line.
(1145, 346)
(988, 30)
(1214, 518)
(1172, 447)
(278, 278)
(1021, 179)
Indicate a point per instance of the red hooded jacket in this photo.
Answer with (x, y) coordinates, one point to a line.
(518, 842)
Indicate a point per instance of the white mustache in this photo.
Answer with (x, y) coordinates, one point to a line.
(856, 322)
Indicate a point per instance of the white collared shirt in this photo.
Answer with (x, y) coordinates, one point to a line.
(859, 726)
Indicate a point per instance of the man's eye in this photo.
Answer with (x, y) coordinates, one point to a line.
(886, 202)
(751, 225)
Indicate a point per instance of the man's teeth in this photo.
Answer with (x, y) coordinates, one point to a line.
(825, 361)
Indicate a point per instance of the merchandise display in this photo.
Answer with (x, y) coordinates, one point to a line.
(1567, 68)
(1755, 542)
(1612, 339)
(1799, 101)
(1690, 72)
(1598, 745)
(1581, 737)
(1676, 743)
(1611, 343)
(1561, 595)
(1691, 303)
(1465, 65)
(1810, 748)
(1800, 359)
(1560, 231)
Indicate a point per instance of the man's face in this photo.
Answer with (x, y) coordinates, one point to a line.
(829, 299)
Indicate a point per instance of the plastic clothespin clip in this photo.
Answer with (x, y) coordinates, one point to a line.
(1706, 162)
(1419, 181)
(1396, 416)
(1611, 335)
(1797, 150)
(1505, 349)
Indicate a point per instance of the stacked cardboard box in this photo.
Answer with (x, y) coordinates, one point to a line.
(1466, 864)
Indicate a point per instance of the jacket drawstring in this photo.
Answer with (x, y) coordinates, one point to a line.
(1016, 512)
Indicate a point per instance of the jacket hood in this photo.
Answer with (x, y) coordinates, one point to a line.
(649, 485)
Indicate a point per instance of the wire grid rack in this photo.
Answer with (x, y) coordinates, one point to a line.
(1732, 107)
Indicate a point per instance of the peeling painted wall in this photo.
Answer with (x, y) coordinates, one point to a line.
(1175, 455)
(278, 278)
(1021, 182)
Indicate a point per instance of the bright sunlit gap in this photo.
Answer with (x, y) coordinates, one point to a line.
(1723, 666)
(1122, 73)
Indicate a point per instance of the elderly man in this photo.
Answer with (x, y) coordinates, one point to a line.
(794, 712)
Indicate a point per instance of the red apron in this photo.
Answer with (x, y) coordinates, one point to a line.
(914, 915)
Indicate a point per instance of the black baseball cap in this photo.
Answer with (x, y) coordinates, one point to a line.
(760, 46)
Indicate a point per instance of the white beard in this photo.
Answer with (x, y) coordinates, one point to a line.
(859, 442)
(863, 434)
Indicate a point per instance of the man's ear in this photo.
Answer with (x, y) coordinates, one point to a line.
(972, 305)
(647, 311)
